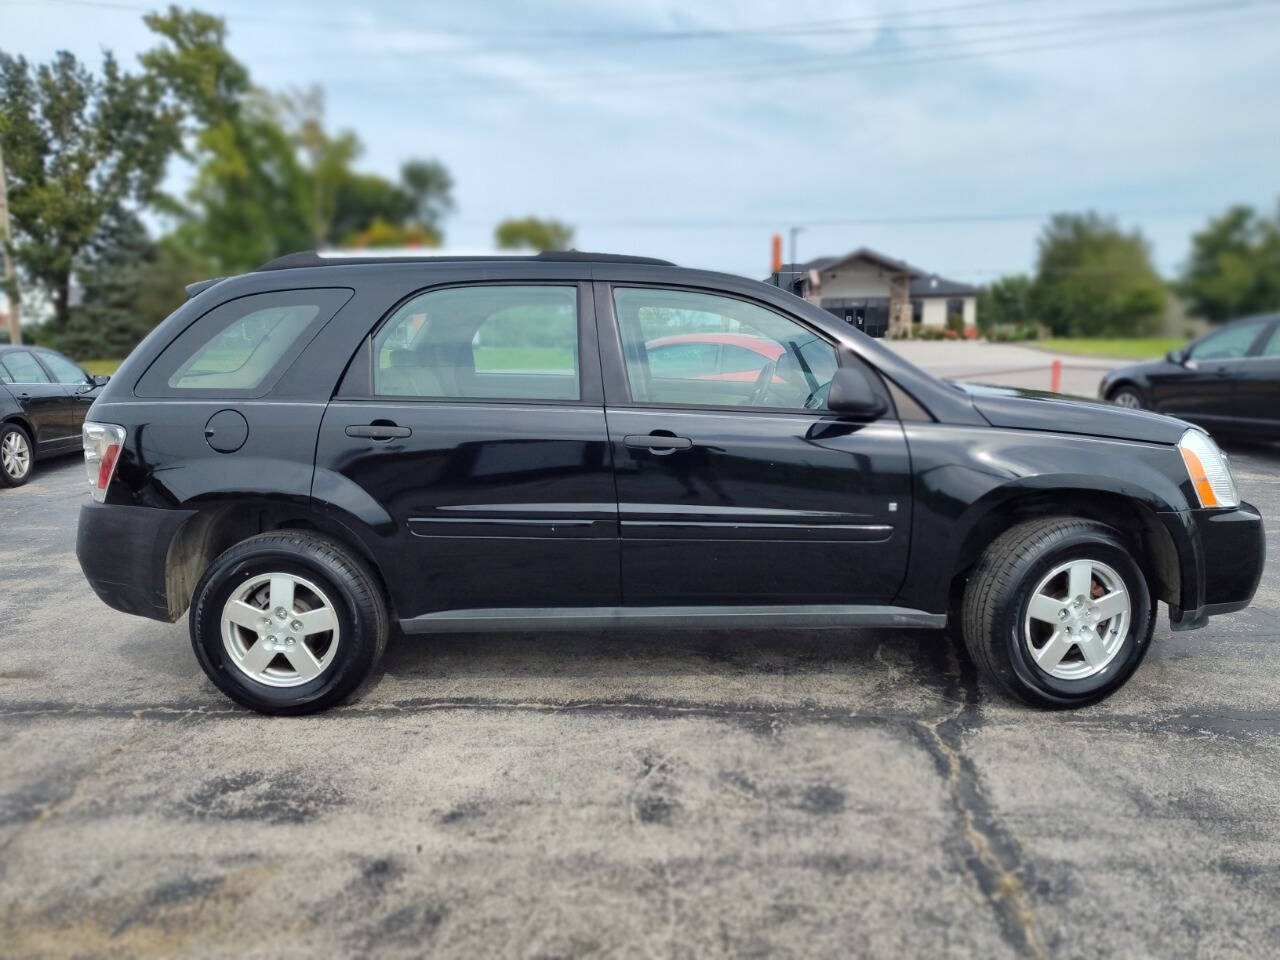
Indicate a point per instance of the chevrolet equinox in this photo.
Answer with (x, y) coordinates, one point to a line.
(332, 446)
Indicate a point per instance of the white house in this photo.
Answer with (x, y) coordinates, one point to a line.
(879, 294)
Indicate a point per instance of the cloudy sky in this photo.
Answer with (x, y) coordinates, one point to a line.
(938, 131)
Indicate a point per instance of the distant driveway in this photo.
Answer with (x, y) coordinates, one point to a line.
(1006, 364)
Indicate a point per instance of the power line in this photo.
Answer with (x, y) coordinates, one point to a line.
(842, 61)
(845, 63)
(592, 35)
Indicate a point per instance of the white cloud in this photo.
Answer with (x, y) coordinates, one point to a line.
(602, 130)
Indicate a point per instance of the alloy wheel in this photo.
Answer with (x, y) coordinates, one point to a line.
(1127, 398)
(15, 455)
(1077, 619)
(280, 629)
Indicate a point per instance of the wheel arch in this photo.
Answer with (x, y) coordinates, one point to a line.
(219, 525)
(1136, 520)
(22, 421)
(1114, 388)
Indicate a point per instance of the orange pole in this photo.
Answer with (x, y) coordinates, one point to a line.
(777, 253)
(1055, 377)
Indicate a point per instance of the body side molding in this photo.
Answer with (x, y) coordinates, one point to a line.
(693, 617)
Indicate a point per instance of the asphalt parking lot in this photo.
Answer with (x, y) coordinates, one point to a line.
(676, 795)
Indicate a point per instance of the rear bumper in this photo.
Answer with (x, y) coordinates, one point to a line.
(124, 550)
(1221, 563)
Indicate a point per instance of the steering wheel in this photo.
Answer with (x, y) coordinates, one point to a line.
(760, 389)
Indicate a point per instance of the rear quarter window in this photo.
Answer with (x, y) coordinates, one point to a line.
(240, 348)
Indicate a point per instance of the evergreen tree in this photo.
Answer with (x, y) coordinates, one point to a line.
(106, 322)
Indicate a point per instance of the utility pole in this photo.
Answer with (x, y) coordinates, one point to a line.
(794, 231)
(10, 276)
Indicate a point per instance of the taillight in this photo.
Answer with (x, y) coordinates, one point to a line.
(102, 444)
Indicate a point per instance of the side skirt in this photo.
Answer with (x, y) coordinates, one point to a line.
(693, 618)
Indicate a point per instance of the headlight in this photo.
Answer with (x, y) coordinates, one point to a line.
(1208, 469)
(102, 443)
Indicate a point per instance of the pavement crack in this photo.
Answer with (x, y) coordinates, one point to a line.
(990, 853)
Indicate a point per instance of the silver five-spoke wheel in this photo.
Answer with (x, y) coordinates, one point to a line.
(1077, 619)
(280, 629)
(1127, 398)
(15, 455)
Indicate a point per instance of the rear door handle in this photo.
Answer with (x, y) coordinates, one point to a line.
(378, 431)
(657, 443)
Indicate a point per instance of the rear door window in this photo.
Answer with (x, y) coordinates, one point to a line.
(241, 348)
(483, 342)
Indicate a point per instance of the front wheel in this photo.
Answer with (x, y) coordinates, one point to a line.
(1057, 612)
(288, 623)
(1127, 397)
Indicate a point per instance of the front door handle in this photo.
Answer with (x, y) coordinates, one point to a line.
(660, 444)
(378, 431)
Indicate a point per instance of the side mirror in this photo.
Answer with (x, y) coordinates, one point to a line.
(851, 394)
(1178, 356)
(99, 379)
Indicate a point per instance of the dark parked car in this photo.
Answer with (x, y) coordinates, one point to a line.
(43, 401)
(1228, 381)
(325, 448)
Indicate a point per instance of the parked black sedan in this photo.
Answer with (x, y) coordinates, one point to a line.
(43, 400)
(1227, 381)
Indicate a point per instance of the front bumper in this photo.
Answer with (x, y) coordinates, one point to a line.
(124, 551)
(1221, 562)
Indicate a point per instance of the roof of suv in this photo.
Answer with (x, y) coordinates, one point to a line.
(313, 258)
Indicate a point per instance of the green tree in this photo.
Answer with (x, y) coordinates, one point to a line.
(270, 177)
(1093, 279)
(380, 233)
(106, 322)
(429, 186)
(532, 233)
(1006, 303)
(373, 211)
(77, 148)
(247, 203)
(1234, 269)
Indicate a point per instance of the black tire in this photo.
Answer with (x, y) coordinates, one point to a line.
(358, 603)
(5, 479)
(999, 592)
(1128, 396)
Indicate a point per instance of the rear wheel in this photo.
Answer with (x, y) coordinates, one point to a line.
(16, 455)
(1127, 397)
(1057, 612)
(288, 623)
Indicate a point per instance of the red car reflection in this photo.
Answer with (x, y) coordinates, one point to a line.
(712, 356)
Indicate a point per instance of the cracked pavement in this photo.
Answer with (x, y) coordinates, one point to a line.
(672, 794)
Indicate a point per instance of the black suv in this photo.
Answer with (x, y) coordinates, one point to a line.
(329, 447)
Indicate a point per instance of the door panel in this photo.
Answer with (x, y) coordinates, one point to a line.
(481, 436)
(78, 386)
(793, 508)
(1257, 400)
(1203, 388)
(758, 496)
(46, 403)
(494, 505)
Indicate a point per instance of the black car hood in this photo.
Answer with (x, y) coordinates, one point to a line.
(1036, 410)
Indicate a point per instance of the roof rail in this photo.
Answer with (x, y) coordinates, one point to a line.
(334, 258)
(200, 286)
